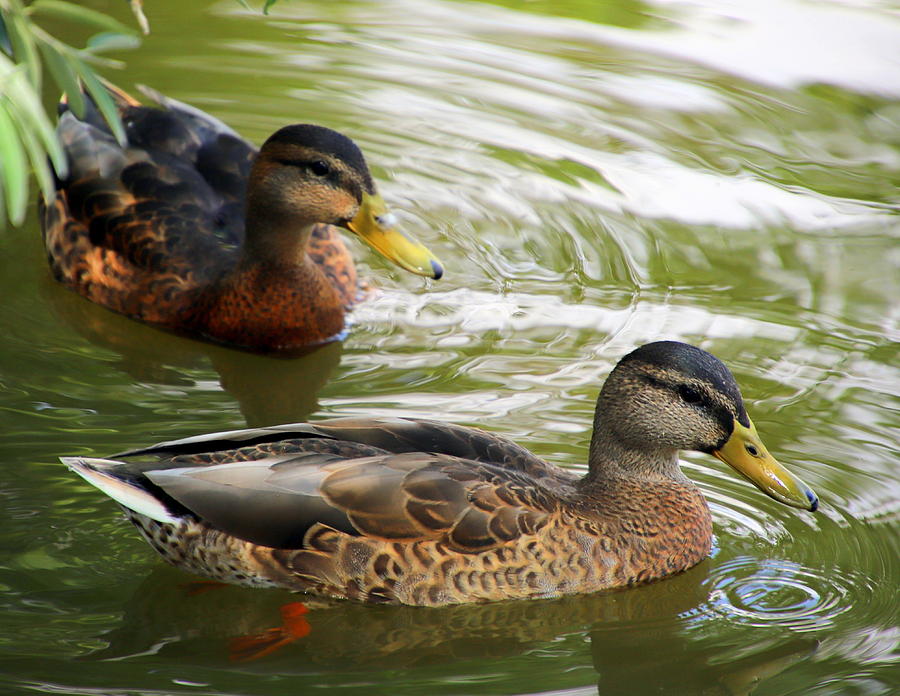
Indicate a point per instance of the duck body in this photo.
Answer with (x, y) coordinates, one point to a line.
(424, 513)
(188, 227)
(474, 519)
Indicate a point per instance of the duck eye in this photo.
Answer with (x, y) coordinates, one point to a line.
(689, 394)
(319, 168)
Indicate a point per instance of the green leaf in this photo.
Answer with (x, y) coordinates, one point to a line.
(77, 13)
(102, 99)
(36, 154)
(26, 103)
(268, 4)
(13, 167)
(112, 41)
(21, 37)
(64, 76)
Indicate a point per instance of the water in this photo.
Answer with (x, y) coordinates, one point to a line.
(593, 176)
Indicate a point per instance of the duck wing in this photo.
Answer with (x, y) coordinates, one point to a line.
(279, 501)
(388, 478)
(169, 202)
(360, 437)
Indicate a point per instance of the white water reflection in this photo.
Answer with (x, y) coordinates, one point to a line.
(473, 312)
(655, 187)
(531, 102)
(779, 43)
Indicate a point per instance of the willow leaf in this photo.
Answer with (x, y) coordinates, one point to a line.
(101, 97)
(112, 41)
(71, 12)
(13, 166)
(64, 76)
(25, 103)
(37, 155)
(35, 128)
(137, 10)
(21, 38)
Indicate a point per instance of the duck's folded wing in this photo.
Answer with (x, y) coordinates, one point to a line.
(408, 497)
(246, 498)
(227, 440)
(169, 201)
(208, 128)
(179, 131)
(396, 435)
(188, 145)
(469, 506)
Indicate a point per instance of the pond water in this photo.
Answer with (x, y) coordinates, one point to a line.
(593, 176)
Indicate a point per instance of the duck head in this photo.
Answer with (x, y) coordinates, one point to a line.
(306, 174)
(668, 396)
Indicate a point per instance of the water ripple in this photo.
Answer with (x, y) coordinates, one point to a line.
(780, 593)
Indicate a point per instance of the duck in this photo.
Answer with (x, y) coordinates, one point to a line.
(187, 226)
(425, 513)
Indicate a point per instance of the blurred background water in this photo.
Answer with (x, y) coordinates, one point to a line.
(594, 176)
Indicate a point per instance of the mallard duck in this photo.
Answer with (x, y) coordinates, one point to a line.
(189, 227)
(419, 512)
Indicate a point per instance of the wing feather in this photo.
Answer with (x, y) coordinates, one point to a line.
(275, 501)
(357, 476)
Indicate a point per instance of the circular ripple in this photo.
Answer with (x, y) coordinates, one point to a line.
(774, 592)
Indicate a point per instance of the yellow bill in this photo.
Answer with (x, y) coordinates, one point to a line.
(375, 225)
(746, 454)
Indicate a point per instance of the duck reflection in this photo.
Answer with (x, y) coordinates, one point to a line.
(659, 638)
(268, 389)
(668, 655)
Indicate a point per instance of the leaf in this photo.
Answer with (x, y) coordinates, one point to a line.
(21, 38)
(137, 10)
(102, 99)
(112, 41)
(37, 155)
(36, 135)
(13, 167)
(64, 76)
(25, 102)
(27, 137)
(77, 13)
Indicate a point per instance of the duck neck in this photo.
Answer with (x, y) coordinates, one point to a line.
(609, 457)
(272, 240)
(277, 232)
(616, 453)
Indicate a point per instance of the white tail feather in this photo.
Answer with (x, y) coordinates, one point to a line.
(124, 493)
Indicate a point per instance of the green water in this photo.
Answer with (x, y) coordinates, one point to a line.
(593, 176)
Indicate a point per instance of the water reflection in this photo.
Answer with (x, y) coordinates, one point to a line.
(566, 115)
(166, 617)
(721, 669)
(268, 389)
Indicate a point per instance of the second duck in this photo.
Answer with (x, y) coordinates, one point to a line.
(188, 227)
